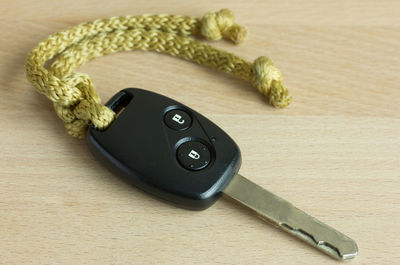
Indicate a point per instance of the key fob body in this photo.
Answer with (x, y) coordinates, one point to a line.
(166, 149)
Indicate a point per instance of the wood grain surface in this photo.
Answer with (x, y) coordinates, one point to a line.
(335, 152)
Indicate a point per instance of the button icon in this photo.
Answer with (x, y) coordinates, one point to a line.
(178, 118)
(193, 154)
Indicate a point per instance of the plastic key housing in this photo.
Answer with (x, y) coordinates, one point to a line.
(142, 149)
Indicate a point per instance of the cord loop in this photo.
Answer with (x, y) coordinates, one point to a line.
(73, 94)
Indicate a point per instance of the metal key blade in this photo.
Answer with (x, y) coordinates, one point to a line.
(289, 218)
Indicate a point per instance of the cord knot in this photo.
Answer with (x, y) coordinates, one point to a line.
(268, 80)
(217, 25)
(88, 109)
(97, 113)
(83, 83)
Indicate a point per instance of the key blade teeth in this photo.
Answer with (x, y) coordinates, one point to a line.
(283, 214)
(316, 233)
(348, 249)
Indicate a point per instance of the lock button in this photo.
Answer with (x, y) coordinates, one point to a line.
(193, 155)
(177, 120)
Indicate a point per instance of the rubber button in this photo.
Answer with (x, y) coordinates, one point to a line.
(193, 155)
(177, 120)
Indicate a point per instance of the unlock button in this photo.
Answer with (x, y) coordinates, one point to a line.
(193, 155)
(178, 120)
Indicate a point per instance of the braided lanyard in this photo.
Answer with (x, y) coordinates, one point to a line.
(75, 99)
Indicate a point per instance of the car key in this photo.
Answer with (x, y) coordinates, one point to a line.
(175, 153)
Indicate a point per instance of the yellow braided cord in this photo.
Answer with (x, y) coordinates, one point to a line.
(73, 94)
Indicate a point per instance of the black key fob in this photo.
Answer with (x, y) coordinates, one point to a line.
(166, 149)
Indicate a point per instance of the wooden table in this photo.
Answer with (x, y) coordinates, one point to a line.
(335, 152)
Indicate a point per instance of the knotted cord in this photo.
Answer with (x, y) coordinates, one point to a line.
(73, 94)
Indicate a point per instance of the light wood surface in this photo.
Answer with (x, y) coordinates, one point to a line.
(335, 152)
